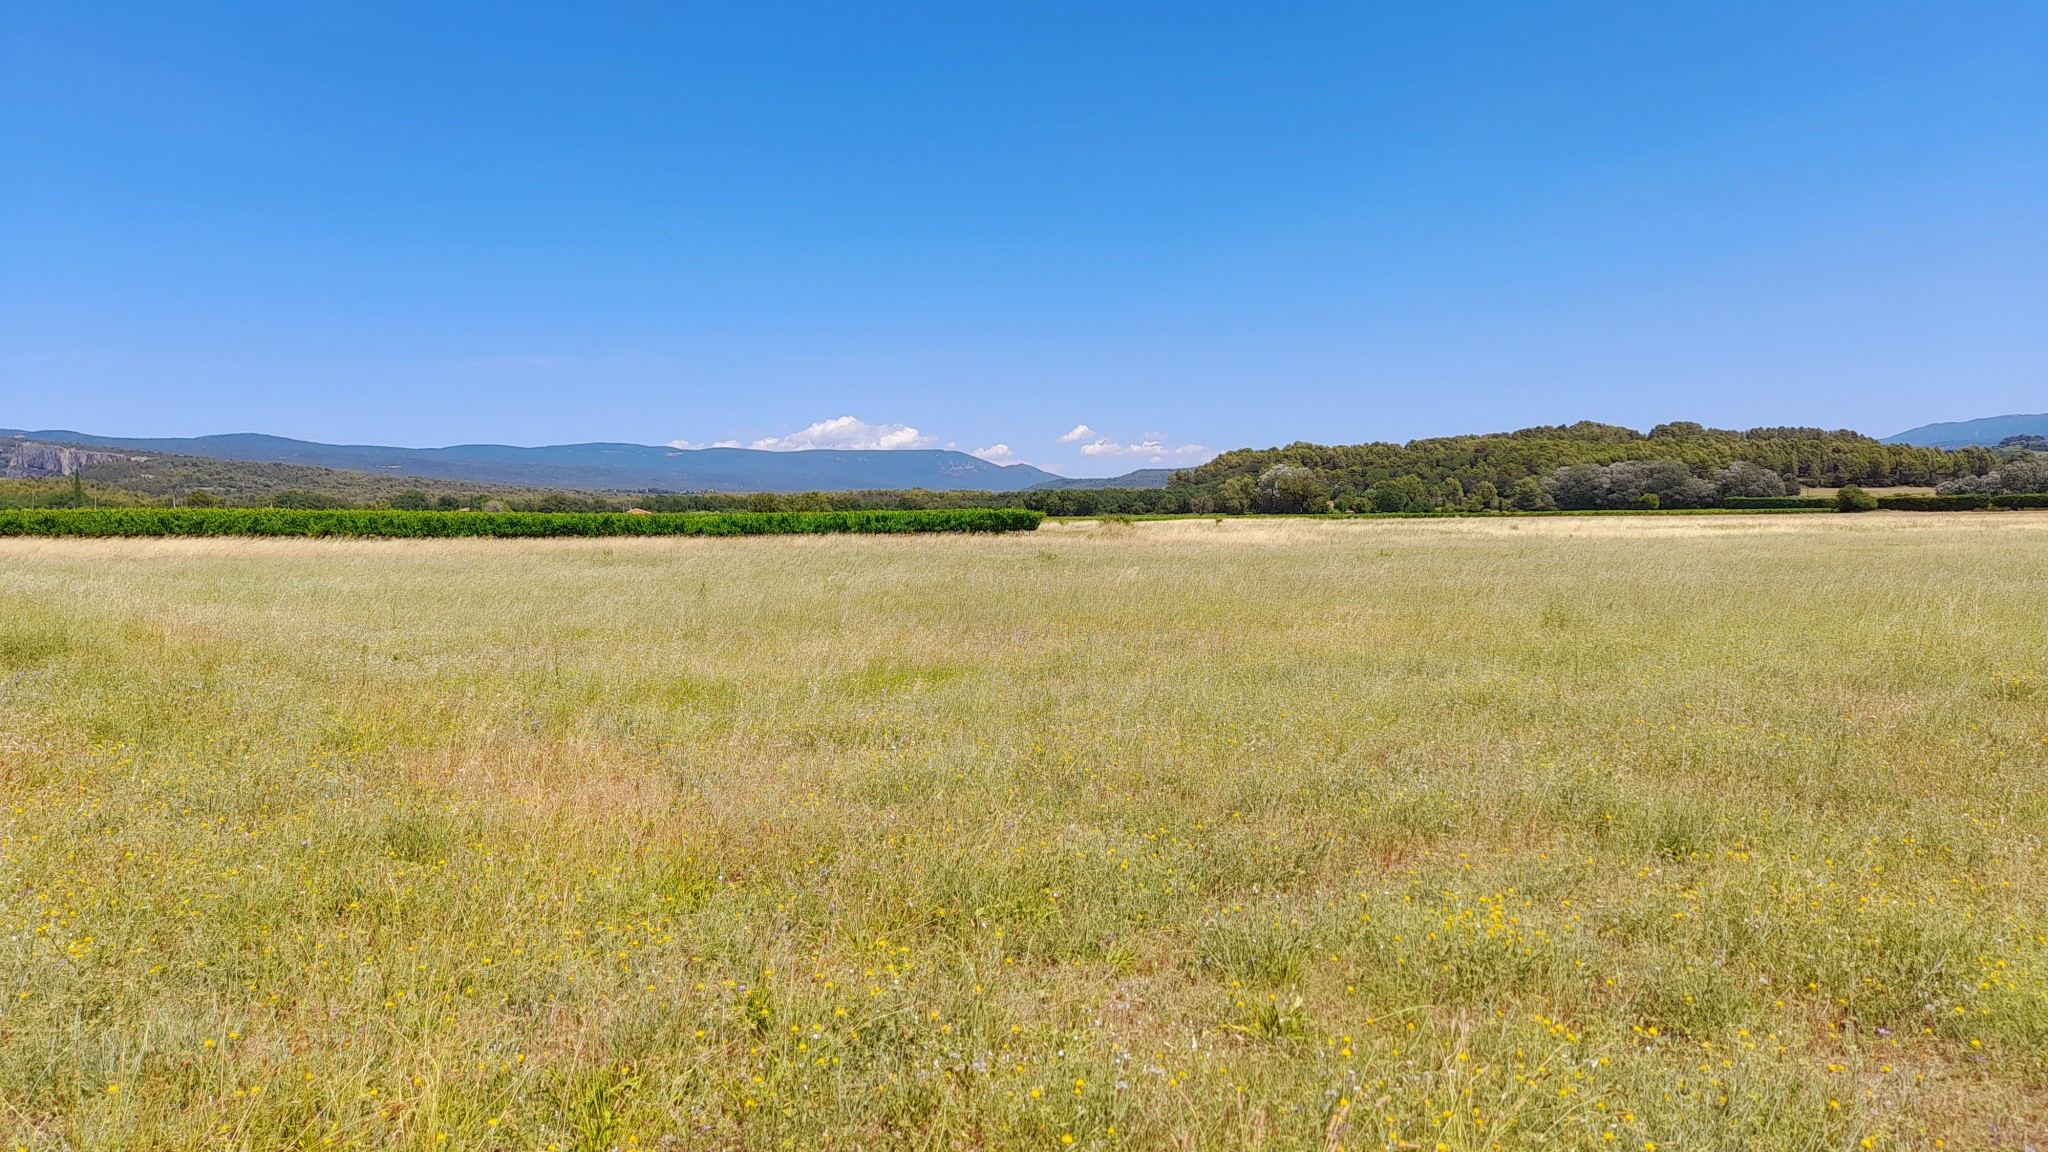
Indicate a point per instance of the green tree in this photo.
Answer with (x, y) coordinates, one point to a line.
(1854, 499)
(1235, 495)
(1526, 495)
(410, 500)
(1286, 488)
(1400, 494)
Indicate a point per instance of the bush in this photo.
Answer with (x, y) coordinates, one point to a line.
(2021, 500)
(1957, 503)
(314, 522)
(1853, 499)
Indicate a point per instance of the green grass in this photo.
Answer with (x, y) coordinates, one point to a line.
(122, 522)
(1707, 832)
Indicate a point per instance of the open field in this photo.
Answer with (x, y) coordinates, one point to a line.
(1707, 832)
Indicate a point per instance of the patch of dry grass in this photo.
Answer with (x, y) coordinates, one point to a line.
(1701, 832)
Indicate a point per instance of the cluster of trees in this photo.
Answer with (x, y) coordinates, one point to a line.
(50, 492)
(1658, 484)
(2020, 474)
(1521, 469)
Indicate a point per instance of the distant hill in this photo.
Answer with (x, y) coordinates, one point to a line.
(612, 467)
(154, 475)
(1986, 432)
(1142, 478)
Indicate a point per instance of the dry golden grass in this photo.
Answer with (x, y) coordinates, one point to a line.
(1694, 832)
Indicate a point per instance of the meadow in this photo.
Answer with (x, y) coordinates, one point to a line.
(1706, 832)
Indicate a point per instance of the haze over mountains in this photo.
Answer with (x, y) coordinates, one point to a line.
(1987, 431)
(618, 467)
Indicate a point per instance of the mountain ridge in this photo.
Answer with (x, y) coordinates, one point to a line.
(1985, 431)
(599, 465)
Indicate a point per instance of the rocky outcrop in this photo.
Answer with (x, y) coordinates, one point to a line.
(26, 459)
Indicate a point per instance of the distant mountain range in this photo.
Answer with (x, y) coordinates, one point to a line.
(617, 467)
(1142, 478)
(1987, 431)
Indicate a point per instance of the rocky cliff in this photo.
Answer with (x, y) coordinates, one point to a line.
(22, 459)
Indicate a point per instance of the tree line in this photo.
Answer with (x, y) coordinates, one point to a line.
(1586, 465)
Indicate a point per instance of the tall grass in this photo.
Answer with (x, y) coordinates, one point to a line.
(1568, 833)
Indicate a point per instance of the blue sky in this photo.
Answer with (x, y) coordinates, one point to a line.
(1102, 236)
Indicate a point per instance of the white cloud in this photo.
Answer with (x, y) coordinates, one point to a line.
(1080, 432)
(691, 445)
(995, 454)
(848, 432)
(1153, 449)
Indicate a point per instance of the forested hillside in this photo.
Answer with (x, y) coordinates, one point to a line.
(1431, 473)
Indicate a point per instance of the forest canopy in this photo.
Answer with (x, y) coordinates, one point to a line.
(1529, 468)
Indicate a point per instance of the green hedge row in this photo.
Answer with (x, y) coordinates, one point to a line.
(1778, 502)
(326, 522)
(2021, 500)
(1967, 503)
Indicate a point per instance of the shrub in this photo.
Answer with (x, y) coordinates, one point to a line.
(1853, 499)
(395, 523)
(2021, 500)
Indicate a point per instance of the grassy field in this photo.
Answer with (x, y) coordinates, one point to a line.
(1632, 833)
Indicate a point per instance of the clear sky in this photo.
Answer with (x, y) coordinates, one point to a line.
(1098, 234)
